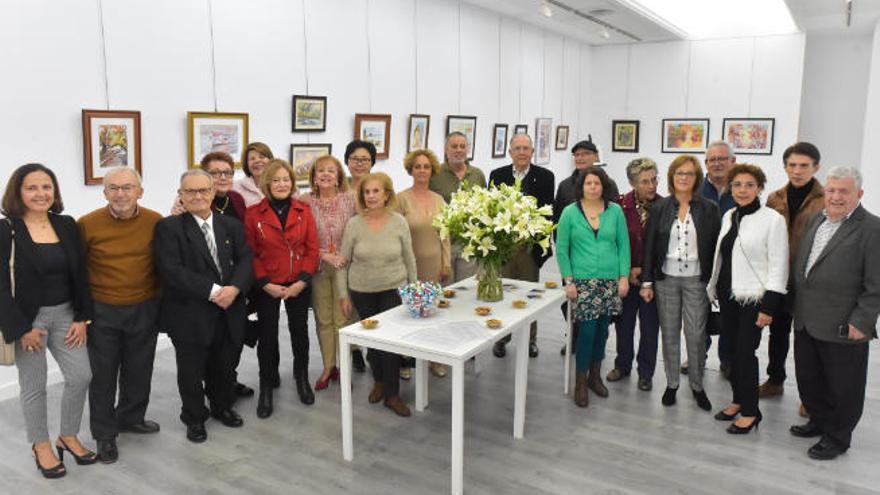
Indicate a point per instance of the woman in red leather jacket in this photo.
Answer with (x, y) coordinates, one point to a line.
(282, 234)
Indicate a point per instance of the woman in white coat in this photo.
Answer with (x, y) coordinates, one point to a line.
(749, 278)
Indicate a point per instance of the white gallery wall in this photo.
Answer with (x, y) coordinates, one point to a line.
(871, 152)
(438, 57)
(714, 79)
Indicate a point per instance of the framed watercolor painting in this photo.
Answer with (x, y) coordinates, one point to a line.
(543, 140)
(625, 136)
(309, 113)
(685, 135)
(499, 141)
(210, 131)
(465, 124)
(749, 136)
(561, 137)
(521, 129)
(302, 157)
(417, 132)
(374, 128)
(111, 138)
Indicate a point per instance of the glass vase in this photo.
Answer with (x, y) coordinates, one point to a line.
(489, 286)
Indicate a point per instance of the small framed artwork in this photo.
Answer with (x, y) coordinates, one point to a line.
(685, 135)
(465, 124)
(521, 129)
(309, 113)
(210, 131)
(374, 128)
(561, 137)
(749, 136)
(111, 138)
(499, 141)
(625, 136)
(302, 157)
(543, 137)
(417, 134)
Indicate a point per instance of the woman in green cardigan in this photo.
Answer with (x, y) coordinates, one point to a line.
(593, 253)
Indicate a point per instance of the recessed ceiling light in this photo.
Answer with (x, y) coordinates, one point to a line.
(701, 19)
(546, 11)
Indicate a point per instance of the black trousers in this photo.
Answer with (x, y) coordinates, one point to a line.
(122, 346)
(831, 380)
(206, 371)
(777, 347)
(385, 365)
(649, 328)
(268, 354)
(738, 327)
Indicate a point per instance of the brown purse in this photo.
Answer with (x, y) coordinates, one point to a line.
(7, 349)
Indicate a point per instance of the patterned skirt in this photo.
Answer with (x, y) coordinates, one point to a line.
(596, 297)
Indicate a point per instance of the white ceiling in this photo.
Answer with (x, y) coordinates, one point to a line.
(819, 16)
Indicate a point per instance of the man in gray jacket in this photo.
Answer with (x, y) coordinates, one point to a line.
(836, 278)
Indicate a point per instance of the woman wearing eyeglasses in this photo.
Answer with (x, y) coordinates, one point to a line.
(284, 238)
(226, 201)
(677, 262)
(360, 156)
(749, 278)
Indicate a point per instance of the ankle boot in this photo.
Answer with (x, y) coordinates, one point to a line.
(303, 388)
(377, 393)
(595, 380)
(264, 402)
(581, 391)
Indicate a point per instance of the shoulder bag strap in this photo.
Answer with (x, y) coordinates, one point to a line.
(11, 257)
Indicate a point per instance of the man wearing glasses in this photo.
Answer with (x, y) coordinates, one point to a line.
(205, 268)
(118, 242)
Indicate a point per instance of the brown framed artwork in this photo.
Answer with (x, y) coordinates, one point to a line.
(499, 141)
(111, 138)
(625, 136)
(211, 131)
(561, 137)
(302, 158)
(417, 132)
(309, 113)
(374, 128)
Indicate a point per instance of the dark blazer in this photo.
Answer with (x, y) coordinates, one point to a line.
(538, 183)
(843, 287)
(17, 315)
(707, 222)
(187, 274)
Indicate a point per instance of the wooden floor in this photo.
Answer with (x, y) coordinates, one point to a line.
(628, 443)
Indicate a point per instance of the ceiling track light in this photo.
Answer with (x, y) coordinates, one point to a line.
(546, 11)
(608, 27)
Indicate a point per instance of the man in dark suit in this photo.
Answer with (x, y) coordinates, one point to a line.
(836, 278)
(534, 181)
(205, 268)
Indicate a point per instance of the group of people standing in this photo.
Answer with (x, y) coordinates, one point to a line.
(213, 275)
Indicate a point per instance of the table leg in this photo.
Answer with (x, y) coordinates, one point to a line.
(421, 385)
(457, 427)
(521, 382)
(345, 384)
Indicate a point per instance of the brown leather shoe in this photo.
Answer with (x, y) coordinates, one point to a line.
(768, 389)
(595, 380)
(581, 392)
(803, 411)
(395, 404)
(616, 374)
(377, 393)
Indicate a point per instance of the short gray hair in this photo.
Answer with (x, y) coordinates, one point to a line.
(639, 165)
(841, 172)
(195, 171)
(532, 144)
(720, 142)
(118, 170)
(455, 134)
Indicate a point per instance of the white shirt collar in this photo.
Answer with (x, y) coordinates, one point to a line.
(209, 220)
(845, 218)
(521, 175)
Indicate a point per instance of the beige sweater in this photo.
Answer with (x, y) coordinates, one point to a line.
(377, 261)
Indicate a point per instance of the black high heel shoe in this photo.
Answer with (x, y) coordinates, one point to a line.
(84, 460)
(723, 416)
(742, 430)
(54, 472)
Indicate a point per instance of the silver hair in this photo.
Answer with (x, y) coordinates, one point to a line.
(118, 170)
(639, 165)
(195, 171)
(531, 144)
(841, 172)
(454, 134)
(720, 142)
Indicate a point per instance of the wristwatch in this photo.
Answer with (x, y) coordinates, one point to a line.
(568, 280)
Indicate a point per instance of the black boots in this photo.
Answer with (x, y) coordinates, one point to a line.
(303, 388)
(264, 403)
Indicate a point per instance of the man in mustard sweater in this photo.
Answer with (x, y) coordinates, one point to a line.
(118, 241)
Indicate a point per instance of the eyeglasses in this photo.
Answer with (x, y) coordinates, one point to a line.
(222, 173)
(197, 192)
(127, 188)
(685, 175)
(281, 180)
(718, 159)
(521, 149)
(359, 161)
(647, 182)
(743, 185)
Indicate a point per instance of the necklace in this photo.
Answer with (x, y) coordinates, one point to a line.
(222, 209)
(682, 236)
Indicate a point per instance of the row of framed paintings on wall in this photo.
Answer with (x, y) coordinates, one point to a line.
(747, 136)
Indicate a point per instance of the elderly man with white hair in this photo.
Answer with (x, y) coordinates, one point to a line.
(836, 277)
(118, 241)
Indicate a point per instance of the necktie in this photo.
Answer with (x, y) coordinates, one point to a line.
(212, 246)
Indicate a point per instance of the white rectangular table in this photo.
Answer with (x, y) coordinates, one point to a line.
(397, 333)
